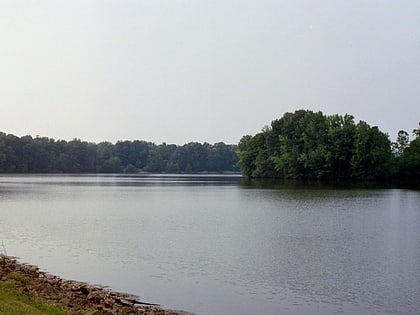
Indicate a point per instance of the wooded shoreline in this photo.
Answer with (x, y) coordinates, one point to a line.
(73, 296)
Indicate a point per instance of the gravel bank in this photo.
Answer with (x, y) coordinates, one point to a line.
(76, 297)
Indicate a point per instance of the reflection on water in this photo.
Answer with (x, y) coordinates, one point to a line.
(222, 245)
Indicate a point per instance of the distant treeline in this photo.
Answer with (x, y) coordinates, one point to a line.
(311, 145)
(44, 155)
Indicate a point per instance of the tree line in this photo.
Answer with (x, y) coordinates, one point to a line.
(45, 155)
(311, 145)
(299, 145)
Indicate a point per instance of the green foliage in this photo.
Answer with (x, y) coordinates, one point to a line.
(44, 155)
(254, 156)
(341, 134)
(408, 164)
(416, 132)
(402, 142)
(371, 154)
(311, 145)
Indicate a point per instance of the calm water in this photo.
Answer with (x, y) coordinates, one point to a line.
(216, 246)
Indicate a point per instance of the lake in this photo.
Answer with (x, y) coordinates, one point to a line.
(220, 244)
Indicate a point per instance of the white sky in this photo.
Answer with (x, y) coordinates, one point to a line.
(203, 70)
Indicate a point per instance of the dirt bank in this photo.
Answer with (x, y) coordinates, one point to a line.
(76, 297)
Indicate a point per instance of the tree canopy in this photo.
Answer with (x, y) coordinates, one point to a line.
(300, 145)
(45, 155)
(311, 145)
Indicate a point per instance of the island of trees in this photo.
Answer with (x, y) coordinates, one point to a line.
(311, 145)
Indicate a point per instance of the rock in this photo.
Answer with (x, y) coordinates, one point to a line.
(75, 297)
(84, 290)
(50, 289)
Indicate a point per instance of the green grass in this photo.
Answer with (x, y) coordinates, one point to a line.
(14, 302)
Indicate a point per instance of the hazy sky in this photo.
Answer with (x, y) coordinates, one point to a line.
(203, 70)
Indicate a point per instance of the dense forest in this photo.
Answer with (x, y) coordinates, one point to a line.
(311, 145)
(44, 155)
(299, 145)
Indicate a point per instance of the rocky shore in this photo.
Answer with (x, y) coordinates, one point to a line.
(75, 297)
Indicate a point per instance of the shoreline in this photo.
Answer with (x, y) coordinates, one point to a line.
(74, 297)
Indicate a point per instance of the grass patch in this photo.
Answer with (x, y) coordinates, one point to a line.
(17, 276)
(14, 302)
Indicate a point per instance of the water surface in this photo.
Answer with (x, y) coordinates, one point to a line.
(215, 245)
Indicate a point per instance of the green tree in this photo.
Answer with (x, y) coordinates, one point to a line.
(112, 165)
(409, 162)
(247, 151)
(159, 157)
(2, 152)
(310, 145)
(401, 144)
(372, 153)
(303, 145)
(416, 132)
(341, 135)
(288, 163)
(222, 158)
